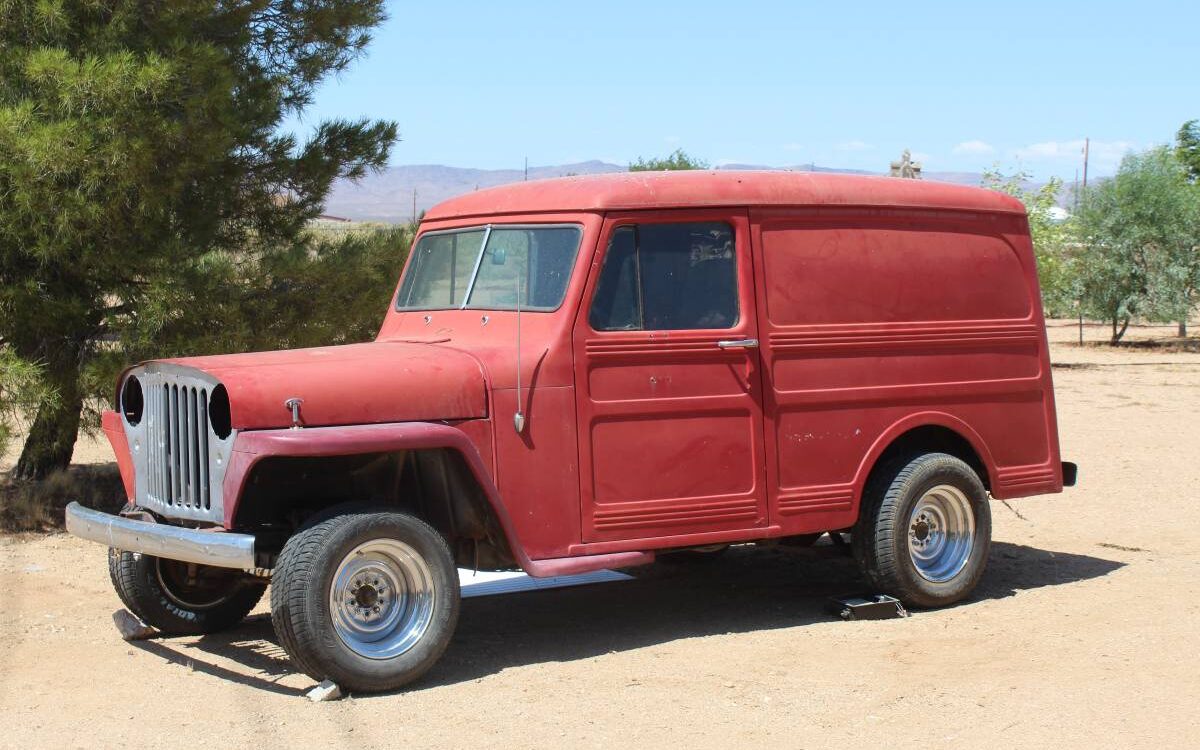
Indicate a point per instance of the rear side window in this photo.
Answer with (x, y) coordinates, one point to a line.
(667, 277)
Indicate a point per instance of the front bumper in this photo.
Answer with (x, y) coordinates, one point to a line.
(217, 548)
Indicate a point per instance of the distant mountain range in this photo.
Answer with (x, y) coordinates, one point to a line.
(396, 194)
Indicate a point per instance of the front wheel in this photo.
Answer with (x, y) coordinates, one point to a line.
(368, 600)
(924, 531)
(181, 598)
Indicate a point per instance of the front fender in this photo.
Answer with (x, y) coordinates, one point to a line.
(250, 447)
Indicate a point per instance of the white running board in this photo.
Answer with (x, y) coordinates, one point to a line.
(489, 584)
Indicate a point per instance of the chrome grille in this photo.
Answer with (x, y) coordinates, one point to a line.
(178, 472)
(179, 462)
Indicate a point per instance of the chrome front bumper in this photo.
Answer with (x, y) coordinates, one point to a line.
(216, 548)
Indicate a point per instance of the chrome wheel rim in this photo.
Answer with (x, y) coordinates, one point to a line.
(941, 533)
(382, 598)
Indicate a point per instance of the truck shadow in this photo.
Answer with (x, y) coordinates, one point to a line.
(749, 589)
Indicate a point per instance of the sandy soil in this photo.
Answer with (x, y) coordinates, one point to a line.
(1083, 633)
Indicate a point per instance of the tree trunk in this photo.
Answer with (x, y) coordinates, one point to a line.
(51, 440)
(1183, 329)
(1118, 333)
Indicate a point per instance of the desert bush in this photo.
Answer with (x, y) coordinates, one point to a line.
(39, 505)
(677, 160)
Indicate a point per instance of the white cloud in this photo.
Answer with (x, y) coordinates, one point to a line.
(1102, 154)
(920, 156)
(672, 140)
(974, 148)
(793, 147)
(854, 146)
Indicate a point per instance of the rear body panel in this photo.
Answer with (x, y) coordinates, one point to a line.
(874, 322)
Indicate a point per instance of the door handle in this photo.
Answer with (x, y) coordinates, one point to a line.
(738, 344)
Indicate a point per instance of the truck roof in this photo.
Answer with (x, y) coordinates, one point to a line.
(716, 188)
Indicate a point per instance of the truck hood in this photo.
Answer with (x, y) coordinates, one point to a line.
(350, 384)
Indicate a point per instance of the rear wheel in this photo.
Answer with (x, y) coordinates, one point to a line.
(181, 598)
(368, 600)
(925, 529)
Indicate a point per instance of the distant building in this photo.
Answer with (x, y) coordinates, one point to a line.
(325, 221)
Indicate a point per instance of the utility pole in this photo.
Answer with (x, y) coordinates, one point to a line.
(414, 219)
(1087, 142)
(527, 169)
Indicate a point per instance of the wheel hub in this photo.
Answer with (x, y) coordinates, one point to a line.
(366, 596)
(381, 600)
(941, 533)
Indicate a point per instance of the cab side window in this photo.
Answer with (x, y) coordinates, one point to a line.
(667, 277)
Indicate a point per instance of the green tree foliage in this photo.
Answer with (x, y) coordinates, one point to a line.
(1138, 234)
(1187, 148)
(1051, 237)
(143, 178)
(676, 160)
(21, 390)
(316, 291)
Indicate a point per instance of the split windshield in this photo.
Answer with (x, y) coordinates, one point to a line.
(482, 268)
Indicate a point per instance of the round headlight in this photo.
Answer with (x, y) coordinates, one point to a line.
(219, 415)
(132, 401)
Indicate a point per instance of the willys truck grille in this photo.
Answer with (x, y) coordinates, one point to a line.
(177, 453)
(178, 458)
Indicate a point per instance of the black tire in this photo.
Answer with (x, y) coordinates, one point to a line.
(888, 531)
(304, 579)
(162, 594)
(119, 584)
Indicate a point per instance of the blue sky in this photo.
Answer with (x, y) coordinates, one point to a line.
(850, 84)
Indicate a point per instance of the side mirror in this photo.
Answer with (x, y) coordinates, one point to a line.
(499, 256)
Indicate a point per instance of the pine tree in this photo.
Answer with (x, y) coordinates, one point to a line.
(140, 149)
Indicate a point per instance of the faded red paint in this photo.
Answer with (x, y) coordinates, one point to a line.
(110, 421)
(880, 305)
(251, 447)
(354, 384)
(626, 191)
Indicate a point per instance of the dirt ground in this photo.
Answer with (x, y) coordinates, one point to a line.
(1083, 633)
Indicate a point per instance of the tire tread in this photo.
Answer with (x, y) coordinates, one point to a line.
(875, 534)
(130, 575)
(308, 636)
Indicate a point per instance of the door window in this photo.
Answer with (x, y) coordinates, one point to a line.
(667, 277)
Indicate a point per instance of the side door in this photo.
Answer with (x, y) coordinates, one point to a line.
(668, 381)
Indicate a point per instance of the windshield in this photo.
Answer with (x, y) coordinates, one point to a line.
(483, 267)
